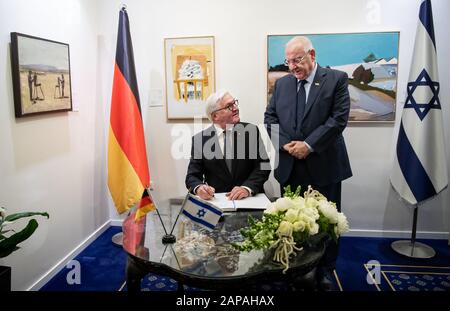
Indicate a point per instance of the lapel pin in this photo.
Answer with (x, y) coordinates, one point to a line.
(316, 83)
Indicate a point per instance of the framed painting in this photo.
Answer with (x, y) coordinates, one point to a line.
(190, 75)
(41, 75)
(369, 59)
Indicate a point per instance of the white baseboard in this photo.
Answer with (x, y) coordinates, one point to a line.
(62, 263)
(116, 222)
(396, 234)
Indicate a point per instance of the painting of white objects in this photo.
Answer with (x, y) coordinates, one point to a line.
(190, 76)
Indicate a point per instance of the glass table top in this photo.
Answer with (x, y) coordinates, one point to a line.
(200, 253)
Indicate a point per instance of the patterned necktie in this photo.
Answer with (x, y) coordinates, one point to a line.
(301, 102)
(228, 149)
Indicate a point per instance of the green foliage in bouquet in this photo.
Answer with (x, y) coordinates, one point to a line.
(8, 241)
(260, 234)
(289, 194)
(290, 221)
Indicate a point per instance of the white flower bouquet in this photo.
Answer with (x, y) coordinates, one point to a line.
(290, 221)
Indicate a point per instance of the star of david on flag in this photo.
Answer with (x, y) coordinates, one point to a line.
(420, 170)
(431, 102)
(201, 212)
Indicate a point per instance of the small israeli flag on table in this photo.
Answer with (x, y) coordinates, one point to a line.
(201, 212)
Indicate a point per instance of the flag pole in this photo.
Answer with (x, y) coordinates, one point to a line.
(157, 211)
(412, 248)
(170, 238)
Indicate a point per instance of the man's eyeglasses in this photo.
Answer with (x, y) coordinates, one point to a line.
(230, 106)
(297, 60)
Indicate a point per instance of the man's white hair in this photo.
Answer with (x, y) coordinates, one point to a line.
(302, 41)
(212, 103)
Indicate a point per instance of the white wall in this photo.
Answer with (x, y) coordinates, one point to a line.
(240, 29)
(52, 162)
(57, 162)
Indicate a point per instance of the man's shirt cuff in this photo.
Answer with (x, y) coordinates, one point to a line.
(309, 147)
(196, 188)
(250, 192)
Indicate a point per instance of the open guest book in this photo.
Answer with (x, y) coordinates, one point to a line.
(259, 201)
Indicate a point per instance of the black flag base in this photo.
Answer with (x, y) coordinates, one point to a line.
(169, 239)
(117, 239)
(413, 249)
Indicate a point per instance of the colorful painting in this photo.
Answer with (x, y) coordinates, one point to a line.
(369, 59)
(41, 75)
(190, 76)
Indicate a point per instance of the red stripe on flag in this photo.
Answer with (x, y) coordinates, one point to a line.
(126, 123)
(146, 205)
(145, 201)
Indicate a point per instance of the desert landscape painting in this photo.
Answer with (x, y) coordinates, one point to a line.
(41, 75)
(369, 59)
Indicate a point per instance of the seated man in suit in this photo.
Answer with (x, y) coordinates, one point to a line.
(245, 166)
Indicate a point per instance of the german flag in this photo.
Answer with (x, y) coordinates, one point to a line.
(128, 174)
(146, 205)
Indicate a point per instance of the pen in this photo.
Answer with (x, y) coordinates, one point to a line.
(208, 186)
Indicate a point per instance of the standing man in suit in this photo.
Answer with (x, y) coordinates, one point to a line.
(307, 114)
(245, 166)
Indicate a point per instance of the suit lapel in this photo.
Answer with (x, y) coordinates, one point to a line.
(319, 81)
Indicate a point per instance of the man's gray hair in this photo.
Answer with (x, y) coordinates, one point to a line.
(212, 103)
(301, 40)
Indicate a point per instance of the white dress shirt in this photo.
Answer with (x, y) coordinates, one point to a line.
(221, 138)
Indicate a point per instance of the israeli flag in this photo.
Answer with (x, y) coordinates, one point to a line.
(420, 170)
(201, 212)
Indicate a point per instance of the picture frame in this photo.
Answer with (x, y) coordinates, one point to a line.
(189, 76)
(370, 60)
(40, 74)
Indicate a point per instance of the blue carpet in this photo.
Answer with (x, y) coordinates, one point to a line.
(103, 268)
(354, 253)
(416, 279)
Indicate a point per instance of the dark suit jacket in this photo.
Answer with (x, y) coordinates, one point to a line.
(325, 117)
(207, 164)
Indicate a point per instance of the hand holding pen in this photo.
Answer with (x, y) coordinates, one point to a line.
(205, 192)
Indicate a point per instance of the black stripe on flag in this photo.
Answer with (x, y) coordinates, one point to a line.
(124, 54)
